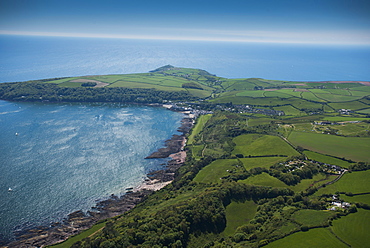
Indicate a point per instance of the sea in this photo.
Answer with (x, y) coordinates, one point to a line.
(57, 158)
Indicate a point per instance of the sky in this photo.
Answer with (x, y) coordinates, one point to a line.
(332, 22)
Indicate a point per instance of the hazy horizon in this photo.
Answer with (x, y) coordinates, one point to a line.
(293, 22)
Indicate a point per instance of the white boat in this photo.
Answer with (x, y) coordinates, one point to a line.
(16, 134)
(10, 189)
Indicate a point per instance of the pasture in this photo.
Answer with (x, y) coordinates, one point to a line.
(312, 218)
(213, 172)
(354, 228)
(343, 129)
(263, 162)
(200, 122)
(364, 111)
(62, 80)
(344, 118)
(354, 148)
(259, 121)
(361, 129)
(290, 110)
(316, 180)
(132, 84)
(357, 198)
(262, 145)
(237, 214)
(355, 182)
(158, 81)
(353, 105)
(318, 237)
(326, 159)
(196, 151)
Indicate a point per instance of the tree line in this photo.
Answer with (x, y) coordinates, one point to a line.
(38, 91)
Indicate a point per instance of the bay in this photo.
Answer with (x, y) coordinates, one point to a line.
(59, 158)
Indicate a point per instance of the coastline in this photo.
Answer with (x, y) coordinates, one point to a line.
(78, 221)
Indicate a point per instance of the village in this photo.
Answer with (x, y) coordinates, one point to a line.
(202, 109)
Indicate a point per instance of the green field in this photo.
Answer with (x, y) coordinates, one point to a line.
(326, 159)
(158, 81)
(196, 151)
(312, 218)
(259, 121)
(345, 118)
(355, 182)
(201, 121)
(353, 105)
(314, 238)
(237, 214)
(316, 180)
(70, 84)
(264, 179)
(312, 97)
(62, 80)
(337, 98)
(364, 111)
(354, 129)
(360, 129)
(262, 145)
(290, 110)
(251, 93)
(357, 198)
(354, 228)
(214, 171)
(128, 84)
(355, 148)
(263, 162)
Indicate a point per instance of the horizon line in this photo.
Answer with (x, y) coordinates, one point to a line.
(186, 38)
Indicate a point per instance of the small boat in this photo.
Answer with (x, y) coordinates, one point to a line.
(10, 189)
(16, 134)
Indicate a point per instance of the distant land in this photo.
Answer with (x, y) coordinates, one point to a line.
(266, 162)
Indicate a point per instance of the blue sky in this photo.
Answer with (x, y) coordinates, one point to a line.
(279, 21)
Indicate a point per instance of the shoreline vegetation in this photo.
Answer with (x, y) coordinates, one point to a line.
(79, 221)
(265, 159)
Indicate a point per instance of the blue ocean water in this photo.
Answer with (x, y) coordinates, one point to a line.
(27, 58)
(59, 158)
(66, 156)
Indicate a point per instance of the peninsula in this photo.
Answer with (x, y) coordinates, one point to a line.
(259, 163)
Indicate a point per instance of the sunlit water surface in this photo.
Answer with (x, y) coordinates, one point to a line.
(59, 158)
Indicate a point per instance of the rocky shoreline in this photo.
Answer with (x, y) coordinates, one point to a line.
(115, 205)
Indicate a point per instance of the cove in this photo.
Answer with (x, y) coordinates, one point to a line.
(60, 158)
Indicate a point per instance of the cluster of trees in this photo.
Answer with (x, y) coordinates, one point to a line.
(89, 84)
(34, 91)
(173, 225)
(278, 171)
(192, 85)
(360, 166)
(281, 172)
